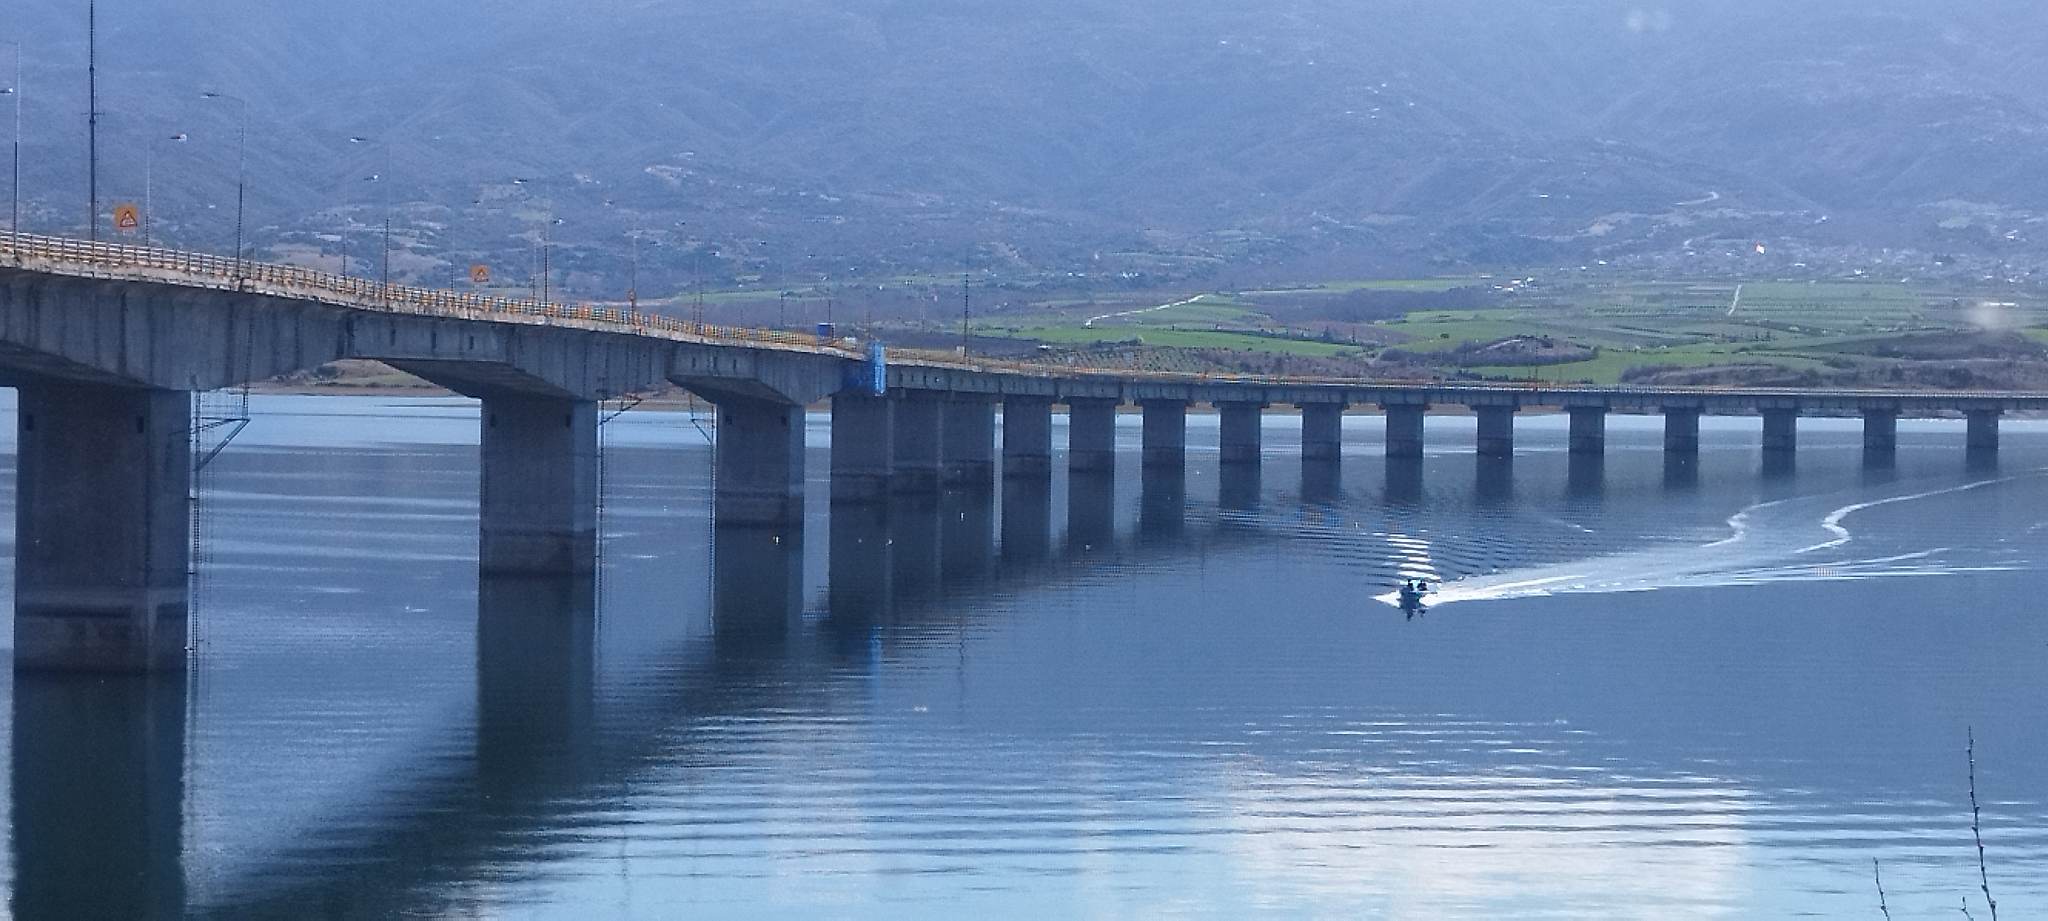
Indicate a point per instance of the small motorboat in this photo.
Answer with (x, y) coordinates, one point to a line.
(1412, 593)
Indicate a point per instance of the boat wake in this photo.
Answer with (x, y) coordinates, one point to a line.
(1777, 541)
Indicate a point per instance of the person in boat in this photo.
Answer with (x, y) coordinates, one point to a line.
(1412, 591)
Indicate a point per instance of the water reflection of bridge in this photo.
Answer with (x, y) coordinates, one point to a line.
(99, 764)
(99, 783)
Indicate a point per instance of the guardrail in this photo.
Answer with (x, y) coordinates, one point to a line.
(224, 273)
(204, 270)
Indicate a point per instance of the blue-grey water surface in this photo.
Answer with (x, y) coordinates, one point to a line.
(1648, 691)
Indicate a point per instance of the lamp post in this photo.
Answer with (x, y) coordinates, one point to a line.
(149, 182)
(383, 181)
(548, 220)
(241, 168)
(14, 91)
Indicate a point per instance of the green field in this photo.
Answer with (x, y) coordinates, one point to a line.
(1629, 324)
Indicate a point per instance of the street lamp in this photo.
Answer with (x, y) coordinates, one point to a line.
(15, 91)
(383, 180)
(548, 220)
(241, 168)
(149, 182)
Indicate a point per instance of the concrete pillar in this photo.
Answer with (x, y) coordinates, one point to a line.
(863, 443)
(1322, 432)
(1404, 430)
(1091, 435)
(1681, 430)
(1589, 429)
(1880, 431)
(759, 464)
(1496, 430)
(1781, 430)
(968, 435)
(1166, 433)
(915, 435)
(538, 499)
(1242, 432)
(1982, 436)
(1027, 438)
(102, 528)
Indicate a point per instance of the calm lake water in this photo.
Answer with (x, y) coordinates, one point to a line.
(1647, 692)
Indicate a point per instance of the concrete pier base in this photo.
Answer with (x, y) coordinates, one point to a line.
(968, 434)
(1681, 430)
(1496, 431)
(759, 463)
(102, 535)
(1027, 438)
(1404, 430)
(1322, 432)
(1242, 432)
(1781, 431)
(1091, 435)
(915, 438)
(1589, 429)
(1880, 431)
(1982, 434)
(538, 499)
(1166, 433)
(863, 441)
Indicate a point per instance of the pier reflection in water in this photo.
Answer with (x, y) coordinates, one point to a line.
(1188, 696)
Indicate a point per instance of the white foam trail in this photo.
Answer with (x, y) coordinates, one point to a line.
(1833, 522)
(1739, 559)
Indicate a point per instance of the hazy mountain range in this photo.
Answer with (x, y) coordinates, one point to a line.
(809, 137)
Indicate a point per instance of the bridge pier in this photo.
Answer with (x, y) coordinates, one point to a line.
(1091, 435)
(1242, 432)
(1027, 438)
(538, 500)
(1322, 432)
(1166, 433)
(759, 463)
(1781, 431)
(1880, 431)
(1496, 430)
(968, 433)
(916, 445)
(1589, 429)
(1404, 429)
(1981, 437)
(102, 538)
(863, 443)
(1681, 430)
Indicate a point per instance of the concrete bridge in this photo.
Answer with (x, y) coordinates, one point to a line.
(106, 345)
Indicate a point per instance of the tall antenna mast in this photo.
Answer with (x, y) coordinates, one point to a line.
(92, 117)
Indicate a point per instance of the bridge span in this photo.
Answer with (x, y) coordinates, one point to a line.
(107, 344)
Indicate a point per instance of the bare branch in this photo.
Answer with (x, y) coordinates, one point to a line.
(1878, 872)
(1976, 830)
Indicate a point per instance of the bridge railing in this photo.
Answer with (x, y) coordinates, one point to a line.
(95, 259)
(297, 281)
